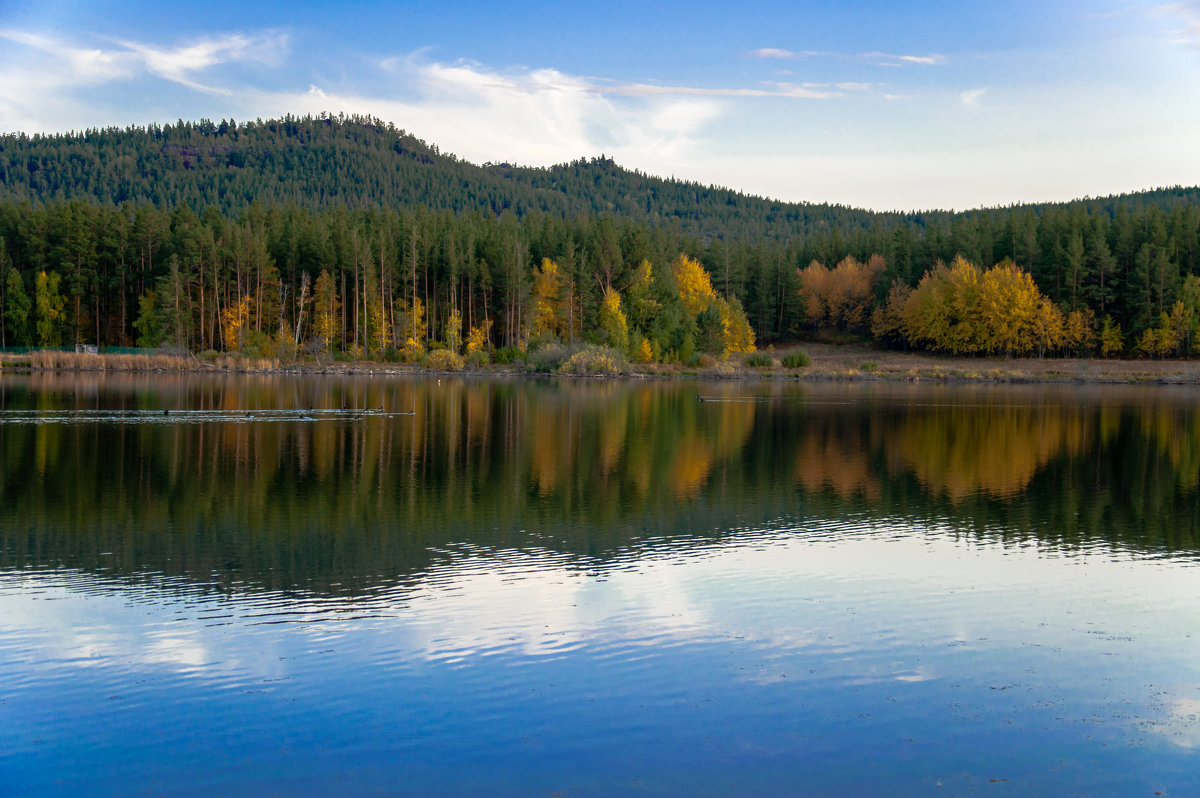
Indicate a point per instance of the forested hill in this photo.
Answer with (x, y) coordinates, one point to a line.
(327, 162)
(324, 162)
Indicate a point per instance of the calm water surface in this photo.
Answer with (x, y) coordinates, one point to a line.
(297, 586)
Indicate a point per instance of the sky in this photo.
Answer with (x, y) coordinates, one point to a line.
(881, 105)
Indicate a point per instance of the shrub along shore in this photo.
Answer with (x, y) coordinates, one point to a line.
(814, 361)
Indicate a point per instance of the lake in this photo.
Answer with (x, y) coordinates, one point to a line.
(339, 585)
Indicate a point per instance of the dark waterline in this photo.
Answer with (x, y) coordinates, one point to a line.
(368, 586)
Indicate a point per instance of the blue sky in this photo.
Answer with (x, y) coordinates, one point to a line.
(884, 105)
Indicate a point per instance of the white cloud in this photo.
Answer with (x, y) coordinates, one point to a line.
(63, 63)
(888, 59)
(771, 52)
(179, 63)
(41, 75)
(970, 98)
(541, 116)
(537, 117)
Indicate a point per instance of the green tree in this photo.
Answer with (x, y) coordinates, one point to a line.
(327, 312)
(17, 306)
(710, 328)
(149, 323)
(50, 304)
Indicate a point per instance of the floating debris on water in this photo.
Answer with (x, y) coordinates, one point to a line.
(177, 416)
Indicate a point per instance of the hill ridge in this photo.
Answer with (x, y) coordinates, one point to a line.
(324, 161)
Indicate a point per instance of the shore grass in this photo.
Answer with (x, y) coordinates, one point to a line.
(48, 360)
(823, 362)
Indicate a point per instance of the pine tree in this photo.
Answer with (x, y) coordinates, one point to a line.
(327, 309)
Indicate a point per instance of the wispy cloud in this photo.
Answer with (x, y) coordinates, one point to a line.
(876, 58)
(1187, 16)
(803, 91)
(179, 63)
(888, 59)
(544, 115)
(65, 63)
(41, 76)
(970, 98)
(530, 116)
(772, 52)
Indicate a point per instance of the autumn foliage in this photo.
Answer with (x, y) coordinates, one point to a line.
(841, 297)
(723, 324)
(963, 309)
(694, 285)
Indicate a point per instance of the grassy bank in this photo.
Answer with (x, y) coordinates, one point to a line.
(825, 362)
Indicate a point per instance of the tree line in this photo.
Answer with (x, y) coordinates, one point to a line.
(282, 280)
(377, 282)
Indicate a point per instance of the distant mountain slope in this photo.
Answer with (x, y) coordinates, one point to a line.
(322, 162)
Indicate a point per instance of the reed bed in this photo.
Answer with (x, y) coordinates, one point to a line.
(77, 361)
(248, 364)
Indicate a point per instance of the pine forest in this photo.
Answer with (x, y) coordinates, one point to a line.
(348, 238)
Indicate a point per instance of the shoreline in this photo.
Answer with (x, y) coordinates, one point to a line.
(829, 362)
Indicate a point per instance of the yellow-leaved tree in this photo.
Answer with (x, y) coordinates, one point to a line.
(1011, 312)
(1080, 332)
(739, 337)
(694, 285)
(612, 320)
(723, 327)
(234, 321)
(1112, 340)
(454, 331)
(548, 316)
(414, 331)
(964, 310)
(477, 338)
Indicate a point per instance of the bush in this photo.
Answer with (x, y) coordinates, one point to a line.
(594, 360)
(443, 360)
(759, 360)
(478, 358)
(797, 360)
(507, 355)
(549, 358)
(257, 345)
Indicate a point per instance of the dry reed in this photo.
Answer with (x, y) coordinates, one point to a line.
(47, 360)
